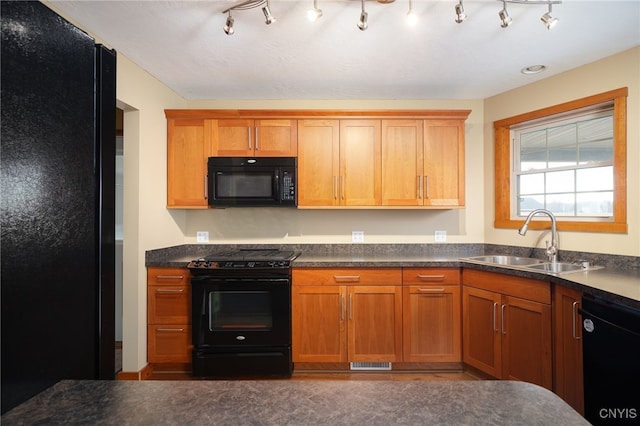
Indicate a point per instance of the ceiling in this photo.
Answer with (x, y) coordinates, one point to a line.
(183, 45)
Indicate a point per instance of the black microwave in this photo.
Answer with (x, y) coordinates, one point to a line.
(252, 181)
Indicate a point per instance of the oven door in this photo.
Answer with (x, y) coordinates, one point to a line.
(233, 312)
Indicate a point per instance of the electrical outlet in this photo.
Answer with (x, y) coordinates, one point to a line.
(440, 236)
(357, 236)
(202, 236)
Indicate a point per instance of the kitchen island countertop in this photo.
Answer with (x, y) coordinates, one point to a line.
(286, 402)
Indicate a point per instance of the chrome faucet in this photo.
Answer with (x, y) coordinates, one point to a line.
(551, 250)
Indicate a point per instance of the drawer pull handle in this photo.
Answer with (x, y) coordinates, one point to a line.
(431, 290)
(495, 327)
(347, 278)
(170, 290)
(438, 277)
(169, 277)
(502, 319)
(171, 330)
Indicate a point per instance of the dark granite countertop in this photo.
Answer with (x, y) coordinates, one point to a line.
(617, 281)
(286, 402)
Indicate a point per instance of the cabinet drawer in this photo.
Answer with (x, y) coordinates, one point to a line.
(167, 276)
(347, 276)
(440, 276)
(510, 285)
(169, 343)
(168, 304)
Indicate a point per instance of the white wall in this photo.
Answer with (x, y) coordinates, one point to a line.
(147, 223)
(622, 70)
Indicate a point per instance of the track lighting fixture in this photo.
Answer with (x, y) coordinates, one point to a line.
(505, 19)
(315, 13)
(548, 20)
(460, 15)
(269, 18)
(228, 26)
(412, 18)
(362, 23)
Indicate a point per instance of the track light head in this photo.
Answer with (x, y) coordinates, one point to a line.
(362, 23)
(315, 13)
(269, 18)
(460, 15)
(228, 26)
(505, 19)
(548, 20)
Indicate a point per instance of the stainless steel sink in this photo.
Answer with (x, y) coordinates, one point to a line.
(557, 268)
(506, 260)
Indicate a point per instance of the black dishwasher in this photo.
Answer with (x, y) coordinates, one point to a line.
(611, 355)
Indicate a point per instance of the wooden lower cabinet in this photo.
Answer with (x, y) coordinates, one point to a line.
(507, 326)
(168, 315)
(568, 380)
(432, 315)
(347, 315)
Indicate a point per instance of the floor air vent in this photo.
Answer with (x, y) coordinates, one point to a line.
(371, 366)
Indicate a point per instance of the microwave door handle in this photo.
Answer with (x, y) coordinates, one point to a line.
(276, 185)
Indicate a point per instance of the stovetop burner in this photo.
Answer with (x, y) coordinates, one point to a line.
(245, 259)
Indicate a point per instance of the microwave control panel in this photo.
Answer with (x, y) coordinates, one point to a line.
(288, 186)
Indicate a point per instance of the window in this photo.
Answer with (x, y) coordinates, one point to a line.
(570, 159)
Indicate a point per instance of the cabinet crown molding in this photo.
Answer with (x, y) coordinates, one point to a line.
(448, 114)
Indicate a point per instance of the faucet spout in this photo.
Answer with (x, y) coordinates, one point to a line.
(551, 250)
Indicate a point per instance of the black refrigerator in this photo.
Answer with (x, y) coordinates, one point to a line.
(57, 189)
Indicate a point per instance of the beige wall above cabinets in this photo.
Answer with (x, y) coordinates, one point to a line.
(346, 159)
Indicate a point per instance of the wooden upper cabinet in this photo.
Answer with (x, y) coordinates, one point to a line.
(346, 159)
(444, 163)
(402, 162)
(318, 162)
(188, 146)
(360, 144)
(338, 163)
(260, 138)
(423, 163)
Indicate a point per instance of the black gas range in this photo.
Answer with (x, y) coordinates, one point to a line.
(241, 314)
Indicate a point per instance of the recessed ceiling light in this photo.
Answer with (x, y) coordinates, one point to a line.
(533, 69)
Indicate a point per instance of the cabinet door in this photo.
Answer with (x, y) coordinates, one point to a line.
(526, 341)
(233, 138)
(188, 146)
(481, 333)
(318, 161)
(568, 380)
(276, 138)
(402, 162)
(375, 323)
(360, 164)
(444, 163)
(431, 319)
(318, 321)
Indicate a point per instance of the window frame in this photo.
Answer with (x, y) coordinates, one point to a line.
(503, 154)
